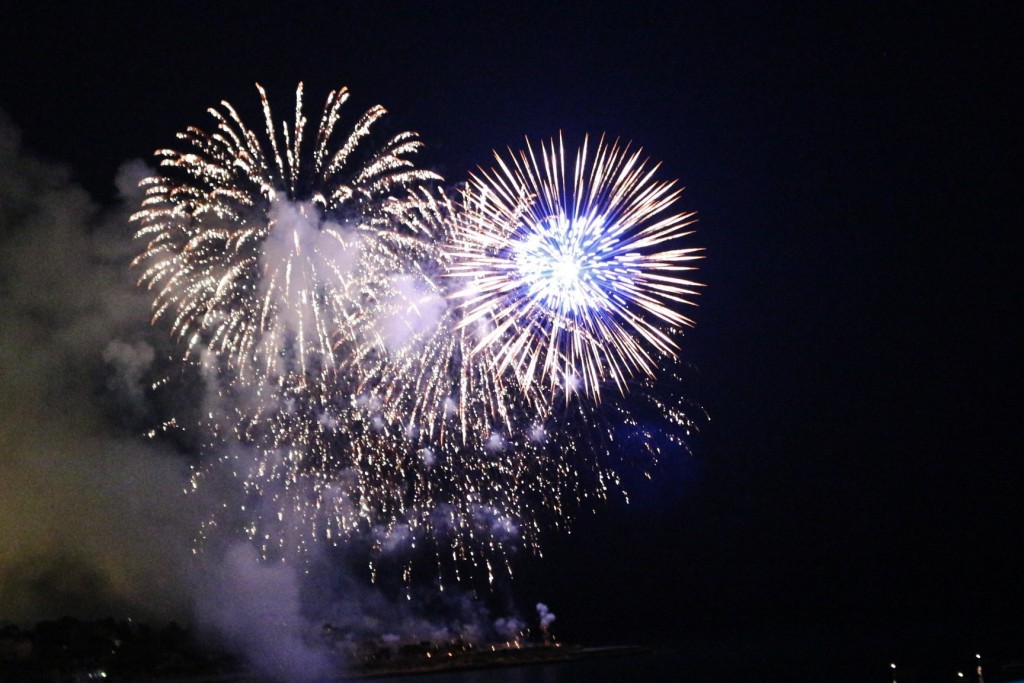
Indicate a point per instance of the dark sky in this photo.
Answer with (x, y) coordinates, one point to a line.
(855, 171)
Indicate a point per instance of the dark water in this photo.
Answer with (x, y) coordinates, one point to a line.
(657, 666)
(678, 666)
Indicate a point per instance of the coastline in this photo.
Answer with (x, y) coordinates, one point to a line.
(531, 655)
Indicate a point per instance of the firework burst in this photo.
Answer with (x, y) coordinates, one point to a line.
(380, 358)
(263, 254)
(575, 273)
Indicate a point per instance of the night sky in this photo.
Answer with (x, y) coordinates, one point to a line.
(855, 174)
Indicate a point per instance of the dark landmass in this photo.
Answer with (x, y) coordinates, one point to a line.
(74, 651)
(433, 658)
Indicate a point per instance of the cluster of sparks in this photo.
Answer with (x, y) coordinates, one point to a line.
(389, 363)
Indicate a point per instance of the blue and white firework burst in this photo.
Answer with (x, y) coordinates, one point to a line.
(577, 277)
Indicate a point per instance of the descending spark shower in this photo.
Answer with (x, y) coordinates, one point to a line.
(390, 362)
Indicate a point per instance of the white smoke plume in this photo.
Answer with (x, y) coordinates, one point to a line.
(303, 253)
(509, 628)
(546, 617)
(254, 608)
(412, 311)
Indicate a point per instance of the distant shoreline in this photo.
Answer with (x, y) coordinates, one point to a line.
(69, 650)
(486, 659)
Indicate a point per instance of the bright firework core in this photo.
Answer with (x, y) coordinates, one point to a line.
(563, 267)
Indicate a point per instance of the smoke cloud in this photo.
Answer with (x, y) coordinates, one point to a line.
(254, 607)
(411, 312)
(93, 519)
(546, 618)
(304, 253)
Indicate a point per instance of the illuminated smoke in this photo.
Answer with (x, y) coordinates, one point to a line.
(545, 618)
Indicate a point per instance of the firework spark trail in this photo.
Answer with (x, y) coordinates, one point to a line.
(575, 272)
(376, 352)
